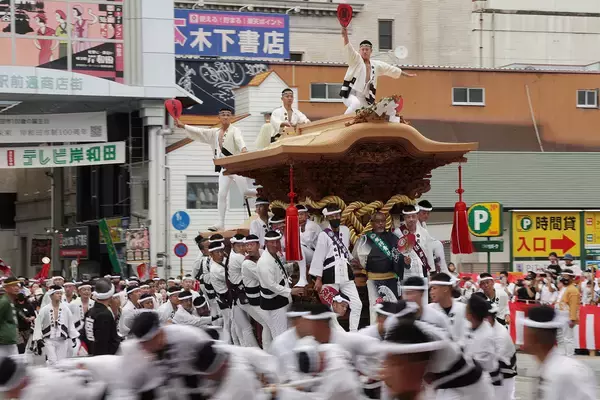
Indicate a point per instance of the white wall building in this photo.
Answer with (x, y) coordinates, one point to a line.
(488, 33)
(192, 181)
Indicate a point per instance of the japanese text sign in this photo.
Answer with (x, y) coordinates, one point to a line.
(62, 156)
(231, 34)
(73, 243)
(48, 128)
(592, 228)
(537, 233)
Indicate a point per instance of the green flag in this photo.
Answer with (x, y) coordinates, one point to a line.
(110, 247)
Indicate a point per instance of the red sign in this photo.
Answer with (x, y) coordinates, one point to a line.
(10, 156)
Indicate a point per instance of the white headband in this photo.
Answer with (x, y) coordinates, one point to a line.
(487, 278)
(251, 240)
(189, 278)
(322, 316)
(145, 299)
(379, 309)
(69, 284)
(58, 277)
(221, 247)
(85, 286)
(107, 295)
(400, 348)
(234, 240)
(340, 299)
(202, 304)
(261, 202)
(52, 291)
(554, 324)
(326, 212)
(443, 283)
(216, 240)
(414, 287)
(410, 308)
(411, 212)
(269, 239)
(186, 297)
(296, 314)
(176, 292)
(425, 208)
(145, 287)
(151, 334)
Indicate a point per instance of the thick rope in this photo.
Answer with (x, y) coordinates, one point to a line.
(353, 213)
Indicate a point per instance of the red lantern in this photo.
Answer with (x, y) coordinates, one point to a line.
(174, 108)
(344, 14)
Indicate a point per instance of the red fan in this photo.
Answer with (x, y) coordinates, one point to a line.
(174, 108)
(327, 294)
(399, 104)
(344, 14)
(406, 243)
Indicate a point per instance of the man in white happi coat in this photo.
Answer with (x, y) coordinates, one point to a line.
(20, 381)
(225, 140)
(81, 305)
(240, 305)
(187, 284)
(132, 304)
(331, 262)
(286, 116)
(56, 281)
(218, 279)
(309, 232)
(360, 82)
(558, 377)
(480, 343)
(167, 311)
(275, 282)
(185, 312)
(260, 226)
(326, 370)
(495, 296)
(415, 245)
(442, 300)
(252, 287)
(146, 301)
(201, 271)
(54, 328)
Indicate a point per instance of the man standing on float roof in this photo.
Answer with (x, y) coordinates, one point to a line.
(360, 82)
(226, 140)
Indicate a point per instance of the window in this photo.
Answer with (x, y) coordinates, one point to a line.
(468, 96)
(325, 91)
(203, 191)
(385, 34)
(587, 98)
(296, 56)
(9, 210)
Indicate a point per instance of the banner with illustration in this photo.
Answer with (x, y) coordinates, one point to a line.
(138, 246)
(215, 81)
(67, 35)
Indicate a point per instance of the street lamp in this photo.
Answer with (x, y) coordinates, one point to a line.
(294, 9)
(249, 7)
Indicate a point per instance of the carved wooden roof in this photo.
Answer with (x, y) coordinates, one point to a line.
(365, 161)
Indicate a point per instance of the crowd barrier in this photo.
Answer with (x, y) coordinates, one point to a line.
(585, 333)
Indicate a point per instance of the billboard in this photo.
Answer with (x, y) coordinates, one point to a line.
(232, 34)
(66, 35)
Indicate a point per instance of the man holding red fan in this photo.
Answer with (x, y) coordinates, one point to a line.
(360, 82)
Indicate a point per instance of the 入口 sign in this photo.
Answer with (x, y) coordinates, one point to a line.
(485, 219)
(48, 128)
(537, 233)
(62, 156)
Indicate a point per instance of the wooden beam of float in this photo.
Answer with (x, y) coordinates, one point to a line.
(355, 160)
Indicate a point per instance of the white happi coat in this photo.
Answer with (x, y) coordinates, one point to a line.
(425, 242)
(166, 312)
(357, 71)
(480, 345)
(273, 279)
(259, 228)
(282, 348)
(76, 307)
(47, 328)
(327, 250)
(280, 115)
(562, 377)
(240, 381)
(52, 384)
(233, 140)
(309, 236)
(127, 309)
(184, 317)
(457, 319)
(339, 380)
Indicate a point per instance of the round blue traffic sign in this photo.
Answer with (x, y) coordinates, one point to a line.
(180, 250)
(180, 220)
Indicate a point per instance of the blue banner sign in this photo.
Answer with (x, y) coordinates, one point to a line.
(231, 34)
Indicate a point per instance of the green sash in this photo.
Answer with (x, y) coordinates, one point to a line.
(393, 255)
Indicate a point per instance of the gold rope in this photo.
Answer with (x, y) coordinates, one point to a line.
(355, 211)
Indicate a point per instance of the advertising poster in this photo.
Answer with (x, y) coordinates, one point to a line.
(54, 34)
(138, 246)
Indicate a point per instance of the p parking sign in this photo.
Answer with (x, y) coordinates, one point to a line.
(485, 219)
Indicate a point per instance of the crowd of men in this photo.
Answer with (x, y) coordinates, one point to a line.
(238, 327)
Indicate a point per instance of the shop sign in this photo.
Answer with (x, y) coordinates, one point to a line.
(50, 128)
(73, 243)
(231, 34)
(62, 156)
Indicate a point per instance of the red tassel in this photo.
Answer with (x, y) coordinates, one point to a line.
(292, 226)
(461, 239)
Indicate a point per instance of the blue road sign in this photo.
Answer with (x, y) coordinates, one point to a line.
(180, 220)
(180, 250)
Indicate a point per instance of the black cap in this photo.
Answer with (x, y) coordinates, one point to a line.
(541, 314)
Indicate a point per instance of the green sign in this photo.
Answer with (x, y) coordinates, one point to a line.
(592, 252)
(489, 246)
(110, 247)
(62, 156)
(485, 219)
